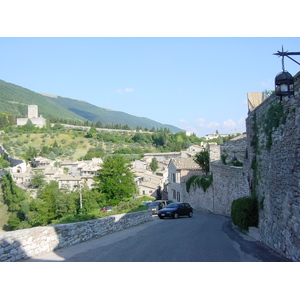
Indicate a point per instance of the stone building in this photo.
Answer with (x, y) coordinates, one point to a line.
(33, 117)
(229, 182)
(179, 171)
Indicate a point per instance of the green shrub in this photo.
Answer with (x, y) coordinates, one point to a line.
(244, 212)
(13, 222)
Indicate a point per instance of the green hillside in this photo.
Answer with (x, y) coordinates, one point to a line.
(15, 100)
(106, 116)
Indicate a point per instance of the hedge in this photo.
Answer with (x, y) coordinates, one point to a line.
(244, 212)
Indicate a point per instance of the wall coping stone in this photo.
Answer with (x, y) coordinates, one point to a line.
(26, 243)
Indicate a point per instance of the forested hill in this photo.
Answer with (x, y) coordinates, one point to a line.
(107, 116)
(14, 99)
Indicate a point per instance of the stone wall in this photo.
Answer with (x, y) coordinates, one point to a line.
(273, 130)
(21, 244)
(235, 148)
(229, 183)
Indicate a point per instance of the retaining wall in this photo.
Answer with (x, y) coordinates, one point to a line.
(274, 170)
(25, 243)
(229, 184)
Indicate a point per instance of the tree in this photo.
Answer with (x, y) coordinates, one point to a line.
(153, 165)
(202, 159)
(29, 126)
(12, 195)
(115, 180)
(30, 154)
(3, 162)
(38, 179)
(92, 132)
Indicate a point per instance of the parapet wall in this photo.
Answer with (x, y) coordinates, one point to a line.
(25, 243)
(273, 130)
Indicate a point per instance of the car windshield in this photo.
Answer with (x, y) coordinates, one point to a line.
(172, 205)
(154, 203)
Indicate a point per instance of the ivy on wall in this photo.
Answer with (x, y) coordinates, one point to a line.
(275, 116)
(199, 181)
(205, 181)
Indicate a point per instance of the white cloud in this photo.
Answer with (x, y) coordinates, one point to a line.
(241, 122)
(201, 127)
(213, 124)
(229, 124)
(128, 90)
(183, 121)
(200, 122)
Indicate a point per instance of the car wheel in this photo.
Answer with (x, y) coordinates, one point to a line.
(160, 217)
(175, 216)
(190, 214)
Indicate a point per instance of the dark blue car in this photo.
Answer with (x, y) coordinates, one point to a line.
(176, 210)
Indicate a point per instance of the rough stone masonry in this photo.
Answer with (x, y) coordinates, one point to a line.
(273, 131)
(21, 244)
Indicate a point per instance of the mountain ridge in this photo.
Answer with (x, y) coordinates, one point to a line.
(14, 99)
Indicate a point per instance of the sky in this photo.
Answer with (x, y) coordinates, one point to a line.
(186, 65)
(199, 84)
(183, 64)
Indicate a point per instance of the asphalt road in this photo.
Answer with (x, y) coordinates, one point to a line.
(203, 238)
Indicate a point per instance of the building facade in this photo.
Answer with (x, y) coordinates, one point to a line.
(33, 117)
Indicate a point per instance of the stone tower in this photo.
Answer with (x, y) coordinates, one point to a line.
(32, 111)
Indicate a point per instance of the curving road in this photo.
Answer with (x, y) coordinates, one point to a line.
(203, 238)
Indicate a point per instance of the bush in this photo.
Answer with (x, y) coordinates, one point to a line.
(244, 212)
(13, 222)
(132, 205)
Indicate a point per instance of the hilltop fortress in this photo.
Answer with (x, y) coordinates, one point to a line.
(33, 117)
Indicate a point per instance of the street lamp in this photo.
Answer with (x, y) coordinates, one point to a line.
(284, 81)
(284, 84)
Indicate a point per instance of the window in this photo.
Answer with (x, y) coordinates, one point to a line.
(174, 177)
(178, 196)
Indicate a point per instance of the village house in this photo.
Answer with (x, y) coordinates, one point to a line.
(194, 149)
(40, 161)
(212, 136)
(68, 182)
(68, 174)
(179, 171)
(149, 183)
(165, 156)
